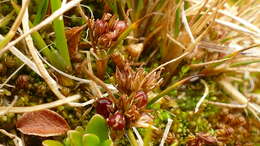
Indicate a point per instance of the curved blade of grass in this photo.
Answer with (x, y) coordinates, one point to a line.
(60, 40)
(244, 63)
(4, 21)
(234, 54)
(127, 31)
(170, 88)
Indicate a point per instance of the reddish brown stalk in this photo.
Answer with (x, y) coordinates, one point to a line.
(99, 82)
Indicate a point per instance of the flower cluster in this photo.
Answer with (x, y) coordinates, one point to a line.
(130, 107)
(106, 30)
(122, 114)
(129, 81)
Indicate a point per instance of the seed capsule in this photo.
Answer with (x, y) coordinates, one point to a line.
(22, 81)
(117, 121)
(120, 26)
(100, 27)
(141, 99)
(104, 107)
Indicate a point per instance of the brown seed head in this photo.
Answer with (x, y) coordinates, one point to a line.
(130, 81)
(23, 81)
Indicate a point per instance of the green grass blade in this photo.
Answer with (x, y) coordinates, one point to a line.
(148, 136)
(4, 21)
(139, 8)
(60, 40)
(169, 89)
(41, 11)
(54, 58)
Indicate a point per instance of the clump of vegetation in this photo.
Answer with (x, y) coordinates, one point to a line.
(129, 72)
(96, 133)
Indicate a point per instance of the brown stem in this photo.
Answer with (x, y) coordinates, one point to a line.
(99, 82)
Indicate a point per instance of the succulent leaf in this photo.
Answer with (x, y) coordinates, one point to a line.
(97, 125)
(90, 140)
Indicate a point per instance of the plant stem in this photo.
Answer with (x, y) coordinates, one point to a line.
(60, 40)
(52, 56)
(99, 82)
(14, 27)
(41, 11)
(132, 137)
(148, 136)
(4, 21)
(46, 21)
(169, 89)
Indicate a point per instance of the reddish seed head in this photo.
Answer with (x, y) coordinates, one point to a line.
(120, 26)
(100, 27)
(141, 99)
(117, 121)
(104, 107)
(22, 81)
(111, 35)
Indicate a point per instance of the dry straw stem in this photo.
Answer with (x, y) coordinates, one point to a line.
(166, 131)
(237, 27)
(45, 75)
(81, 80)
(99, 82)
(9, 107)
(16, 139)
(10, 77)
(48, 20)
(82, 13)
(228, 104)
(15, 25)
(186, 24)
(93, 86)
(246, 23)
(41, 106)
(205, 94)
(208, 63)
(166, 63)
(176, 42)
(239, 97)
(23, 58)
(139, 137)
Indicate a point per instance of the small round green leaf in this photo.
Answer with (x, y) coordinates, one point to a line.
(98, 126)
(90, 140)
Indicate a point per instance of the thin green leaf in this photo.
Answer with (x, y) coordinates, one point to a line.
(4, 21)
(60, 38)
(41, 11)
(54, 58)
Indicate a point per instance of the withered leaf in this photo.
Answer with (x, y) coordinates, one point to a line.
(42, 123)
(73, 37)
(207, 138)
